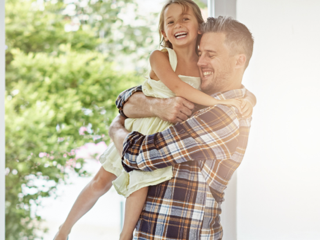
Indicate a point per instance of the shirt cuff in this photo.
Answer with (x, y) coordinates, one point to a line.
(124, 96)
(131, 147)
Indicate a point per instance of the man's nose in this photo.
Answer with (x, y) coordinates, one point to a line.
(202, 61)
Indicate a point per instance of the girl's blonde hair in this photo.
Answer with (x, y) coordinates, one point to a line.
(185, 4)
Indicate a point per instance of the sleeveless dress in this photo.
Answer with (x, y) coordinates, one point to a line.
(127, 183)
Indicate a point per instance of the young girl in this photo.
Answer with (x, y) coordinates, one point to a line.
(174, 72)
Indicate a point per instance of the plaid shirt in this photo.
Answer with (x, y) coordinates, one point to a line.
(204, 151)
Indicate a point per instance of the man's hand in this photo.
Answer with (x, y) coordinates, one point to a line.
(176, 109)
(118, 133)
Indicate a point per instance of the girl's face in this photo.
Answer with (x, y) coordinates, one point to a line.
(181, 28)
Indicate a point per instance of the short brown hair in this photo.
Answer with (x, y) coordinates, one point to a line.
(185, 4)
(238, 36)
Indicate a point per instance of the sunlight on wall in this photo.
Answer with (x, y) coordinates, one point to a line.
(279, 180)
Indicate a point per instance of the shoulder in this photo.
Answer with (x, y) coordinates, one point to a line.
(157, 54)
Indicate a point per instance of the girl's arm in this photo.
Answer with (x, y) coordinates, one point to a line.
(162, 68)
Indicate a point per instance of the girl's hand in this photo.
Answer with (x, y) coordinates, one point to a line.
(232, 102)
(246, 108)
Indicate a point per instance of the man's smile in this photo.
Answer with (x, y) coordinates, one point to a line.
(206, 72)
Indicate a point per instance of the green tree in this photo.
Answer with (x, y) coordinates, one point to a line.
(56, 82)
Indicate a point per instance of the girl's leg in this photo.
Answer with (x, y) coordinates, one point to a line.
(134, 206)
(98, 186)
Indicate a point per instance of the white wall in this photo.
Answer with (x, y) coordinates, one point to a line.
(2, 185)
(279, 180)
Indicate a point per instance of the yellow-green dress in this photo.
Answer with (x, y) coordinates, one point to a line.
(127, 183)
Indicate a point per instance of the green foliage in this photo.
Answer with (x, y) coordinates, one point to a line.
(56, 82)
(104, 17)
(200, 3)
(34, 30)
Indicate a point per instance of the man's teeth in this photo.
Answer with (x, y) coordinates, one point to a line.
(207, 73)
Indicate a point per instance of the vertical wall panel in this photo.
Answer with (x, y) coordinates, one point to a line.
(226, 8)
(229, 206)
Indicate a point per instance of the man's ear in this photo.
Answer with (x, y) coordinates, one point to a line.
(241, 60)
(164, 35)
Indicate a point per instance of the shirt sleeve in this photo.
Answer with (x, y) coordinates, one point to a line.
(211, 135)
(124, 96)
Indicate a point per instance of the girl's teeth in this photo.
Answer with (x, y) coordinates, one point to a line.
(180, 35)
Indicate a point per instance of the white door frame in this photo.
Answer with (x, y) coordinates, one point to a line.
(2, 129)
(229, 206)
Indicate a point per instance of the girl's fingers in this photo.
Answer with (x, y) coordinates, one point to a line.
(243, 103)
(245, 108)
(247, 112)
(238, 104)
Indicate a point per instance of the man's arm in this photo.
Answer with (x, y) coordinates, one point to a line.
(212, 139)
(211, 135)
(124, 96)
(118, 133)
(134, 104)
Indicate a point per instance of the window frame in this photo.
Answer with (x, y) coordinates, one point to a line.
(229, 206)
(2, 126)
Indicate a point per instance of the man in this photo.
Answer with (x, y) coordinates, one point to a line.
(204, 150)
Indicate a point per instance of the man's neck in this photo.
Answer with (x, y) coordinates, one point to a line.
(226, 87)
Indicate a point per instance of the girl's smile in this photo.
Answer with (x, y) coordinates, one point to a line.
(180, 35)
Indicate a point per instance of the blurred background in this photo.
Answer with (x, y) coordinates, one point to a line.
(66, 61)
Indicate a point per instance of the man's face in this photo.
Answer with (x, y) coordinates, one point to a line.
(215, 63)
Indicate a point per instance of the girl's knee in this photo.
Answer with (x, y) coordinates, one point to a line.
(102, 181)
(98, 185)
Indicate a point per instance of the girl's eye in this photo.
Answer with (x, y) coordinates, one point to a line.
(170, 22)
(186, 19)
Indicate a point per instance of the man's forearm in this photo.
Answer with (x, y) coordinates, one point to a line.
(140, 106)
(173, 110)
(118, 133)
